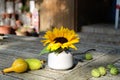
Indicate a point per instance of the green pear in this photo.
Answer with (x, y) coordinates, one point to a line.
(34, 64)
(114, 71)
(109, 66)
(102, 70)
(88, 56)
(95, 73)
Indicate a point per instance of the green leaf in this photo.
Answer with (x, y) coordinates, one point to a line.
(44, 51)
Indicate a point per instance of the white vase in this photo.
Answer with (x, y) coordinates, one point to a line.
(61, 61)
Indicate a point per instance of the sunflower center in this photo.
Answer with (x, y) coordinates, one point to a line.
(60, 40)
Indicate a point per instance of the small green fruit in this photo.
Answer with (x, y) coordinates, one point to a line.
(109, 66)
(88, 56)
(95, 73)
(34, 64)
(114, 71)
(102, 70)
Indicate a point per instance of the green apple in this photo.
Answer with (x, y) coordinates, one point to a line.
(102, 70)
(95, 73)
(88, 56)
(114, 71)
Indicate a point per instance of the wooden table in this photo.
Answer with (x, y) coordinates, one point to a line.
(29, 47)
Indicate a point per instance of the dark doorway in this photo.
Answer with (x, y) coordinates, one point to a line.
(94, 11)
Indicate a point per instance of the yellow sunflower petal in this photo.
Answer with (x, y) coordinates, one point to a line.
(53, 46)
(72, 46)
(60, 37)
(64, 46)
(45, 42)
(56, 46)
(49, 46)
(74, 40)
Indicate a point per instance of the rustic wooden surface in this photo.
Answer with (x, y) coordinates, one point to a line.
(29, 47)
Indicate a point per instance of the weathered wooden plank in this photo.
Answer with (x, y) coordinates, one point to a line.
(28, 76)
(23, 76)
(27, 47)
(6, 61)
(83, 73)
(51, 73)
(22, 38)
(23, 54)
(4, 77)
(47, 73)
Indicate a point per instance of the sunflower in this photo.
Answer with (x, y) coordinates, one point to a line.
(60, 38)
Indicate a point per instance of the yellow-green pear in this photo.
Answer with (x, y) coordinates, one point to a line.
(34, 64)
(95, 73)
(114, 71)
(109, 66)
(102, 70)
(19, 66)
(88, 56)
